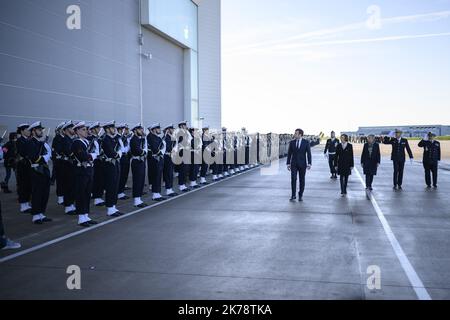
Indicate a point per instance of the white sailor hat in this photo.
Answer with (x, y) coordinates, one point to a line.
(23, 126)
(94, 125)
(121, 125)
(109, 124)
(184, 122)
(79, 125)
(154, 126)
(68, 124)
(205, 127)
(169, 126)
(59, 126)
(36, 125)
(137, 126)
(224, 129)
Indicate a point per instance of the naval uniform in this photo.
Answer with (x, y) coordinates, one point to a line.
(111, 169)
(68, 170)
(83, 174)
(330, 147)
(124, 164)
(38, 156)
(206, 141)
(156, 163)
(431, 158)
(98, 187)
(57, 164)
(23, 171)
(138, 155)
(398, 157)
(168, 164)
(194, 167)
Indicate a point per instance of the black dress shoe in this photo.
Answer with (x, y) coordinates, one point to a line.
(196, 186)
(400, 188)
(124, 198)
(45, 219)
(435, 186)
(394, 187)
(370, 188)
(293, 198)
(428, 187)
(71, 213)
(300, 199)
(38, 221)
(186, 190)
(92, 222)
(172, 194)
(142, 205)
(159, 199)
(115, 214)
(101, 204)
(84, 224)
(27, 211)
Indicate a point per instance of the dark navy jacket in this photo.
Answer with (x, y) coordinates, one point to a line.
(398, 148)
(331, 145)
(369, 161)
(431, 151)
(300, 157)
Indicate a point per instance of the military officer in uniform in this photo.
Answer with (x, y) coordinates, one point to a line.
(123, 133)
(138, 152)
(23, 170)
(431, 158)
(57, 162)
(111, 170)
(399, 145)
(168, 163)
(157, 148)
(68, 168)
(84, 153)
(98, 187)
(194, 167)
(182, 168)
(206, 141)
(330, 153)
(39, 154)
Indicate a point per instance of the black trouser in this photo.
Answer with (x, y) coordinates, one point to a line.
(331, 158)
(431, 168)
(149, 171)
(369, 180)
(138, 172)
(23, 176)
(168, 172)
(156, 168)
(399, 166)
(301, 174)
(68, 169)
(344, 182)
(99, 179)
(182, 168)
(2, 230)
(111, 175)
(203, 169)
(247, 155)
(40, 190)
(58, 175)
(84, 178)
(124, 172)
(193, 171)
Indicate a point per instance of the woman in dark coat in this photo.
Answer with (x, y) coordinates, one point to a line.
(370, 160)
(343, 162)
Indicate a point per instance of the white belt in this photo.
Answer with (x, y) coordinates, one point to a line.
(141, 158)
(85, 165)
(332, 153)
(35, 165)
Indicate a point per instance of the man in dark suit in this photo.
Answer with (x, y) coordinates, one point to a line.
(298, 160)
(398, 158)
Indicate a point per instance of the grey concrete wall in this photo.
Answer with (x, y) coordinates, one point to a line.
(52, 74)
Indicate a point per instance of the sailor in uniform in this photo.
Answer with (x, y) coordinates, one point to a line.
(196, 156)
(206, 141)
(123, 133)
(181, 145)
(168, 163)
(57, 162)
(112, 150)
(157, 148)
(431, 158)
(68, 168)
(23, 169)
(330, 153)
(39, 154)
(138, 151)
(98, 187)
(84, 153)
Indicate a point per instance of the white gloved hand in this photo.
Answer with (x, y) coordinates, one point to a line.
(325, 155)
(120, 154)
(425, 137)
(47, 157)
(411, 160)
(94, 156)
(391, 134)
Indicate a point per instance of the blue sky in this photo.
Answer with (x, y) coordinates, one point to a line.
(327, 64)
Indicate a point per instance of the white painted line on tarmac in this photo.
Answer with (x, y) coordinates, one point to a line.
(93, 227)
(414, 279)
